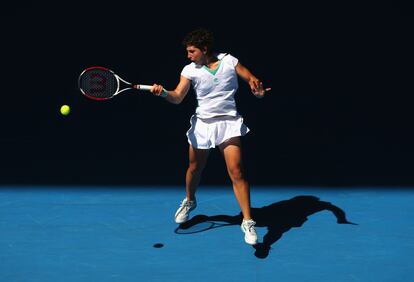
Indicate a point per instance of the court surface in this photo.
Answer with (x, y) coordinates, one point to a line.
(108, 234)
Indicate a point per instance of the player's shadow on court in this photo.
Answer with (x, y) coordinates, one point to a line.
(278, 217)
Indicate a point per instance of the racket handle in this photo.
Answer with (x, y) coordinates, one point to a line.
(142, 87)
(148, 88)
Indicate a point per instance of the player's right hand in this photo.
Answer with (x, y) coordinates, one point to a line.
(157, 89)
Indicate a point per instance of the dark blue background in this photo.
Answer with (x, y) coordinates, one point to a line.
(339, 113)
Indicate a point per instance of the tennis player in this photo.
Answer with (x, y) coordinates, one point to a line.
(216, 122)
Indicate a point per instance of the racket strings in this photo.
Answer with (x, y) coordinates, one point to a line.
(98, 83)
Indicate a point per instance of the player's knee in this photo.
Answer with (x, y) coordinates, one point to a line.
(195, 168)
(236, 174)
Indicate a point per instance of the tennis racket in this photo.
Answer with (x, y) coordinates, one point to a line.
(99, 83)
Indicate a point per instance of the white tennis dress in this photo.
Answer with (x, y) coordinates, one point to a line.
(216, 118)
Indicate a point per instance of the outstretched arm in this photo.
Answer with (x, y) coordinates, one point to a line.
(175, 96)
(255, 84)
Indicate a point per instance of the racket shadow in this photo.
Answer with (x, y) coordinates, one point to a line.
(201, 223)
(278, 218)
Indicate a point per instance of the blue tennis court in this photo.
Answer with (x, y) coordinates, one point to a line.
(90, 196)
(109, 233)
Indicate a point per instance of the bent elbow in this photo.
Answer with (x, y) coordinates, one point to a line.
(178, 100)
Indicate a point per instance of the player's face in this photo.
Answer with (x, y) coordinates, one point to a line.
(195, 54)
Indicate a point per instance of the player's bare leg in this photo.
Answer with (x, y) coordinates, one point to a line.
(232, 154)
(197, 162)
(231, 150)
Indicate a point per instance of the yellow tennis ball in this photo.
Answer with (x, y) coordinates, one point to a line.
(65, 110)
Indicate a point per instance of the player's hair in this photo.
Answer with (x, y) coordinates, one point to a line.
(200, 38)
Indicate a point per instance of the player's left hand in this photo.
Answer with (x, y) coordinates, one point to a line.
(258, 89)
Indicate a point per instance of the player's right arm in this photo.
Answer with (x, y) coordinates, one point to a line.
(175, 96)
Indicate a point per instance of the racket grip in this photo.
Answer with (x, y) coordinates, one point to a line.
(148, 88)
(143, 87)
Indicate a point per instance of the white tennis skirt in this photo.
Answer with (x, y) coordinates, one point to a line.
(209, 133)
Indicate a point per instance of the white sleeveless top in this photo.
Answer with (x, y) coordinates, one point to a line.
(214, 89)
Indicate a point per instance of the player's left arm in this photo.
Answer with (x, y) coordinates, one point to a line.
(255, 84)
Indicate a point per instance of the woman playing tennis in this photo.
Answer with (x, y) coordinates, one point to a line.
(216, 122)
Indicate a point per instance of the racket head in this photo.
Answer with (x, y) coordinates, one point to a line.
(98, 83)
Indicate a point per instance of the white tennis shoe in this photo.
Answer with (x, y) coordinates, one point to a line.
(183, 211)
(250, 235)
